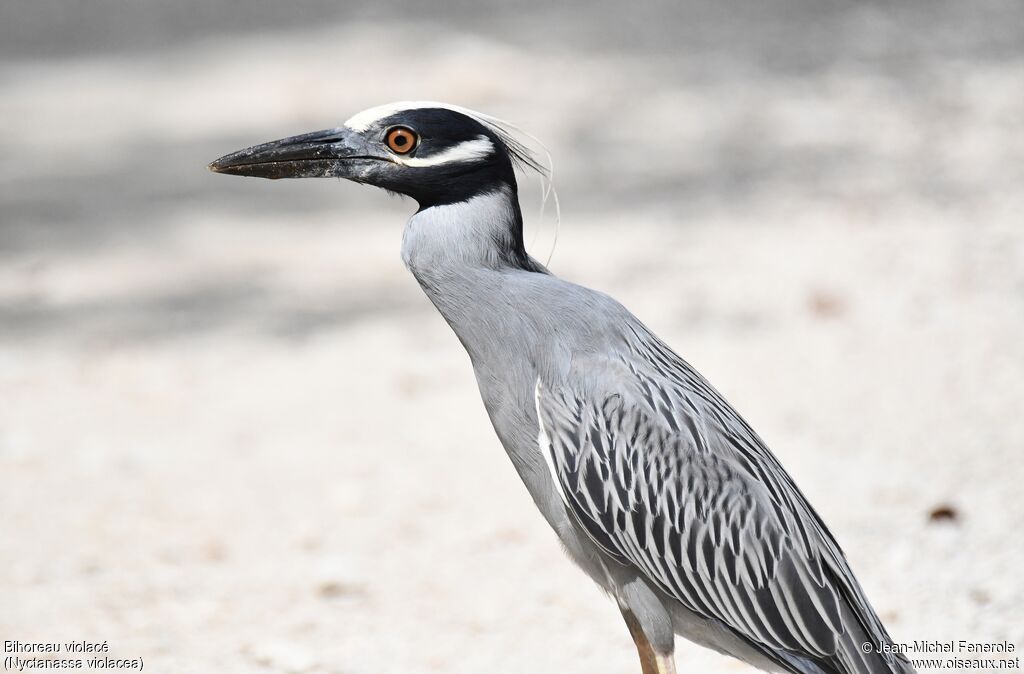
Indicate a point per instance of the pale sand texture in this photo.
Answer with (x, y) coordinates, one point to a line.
(235, 437)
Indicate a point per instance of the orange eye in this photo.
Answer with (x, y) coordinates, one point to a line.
(402, 140)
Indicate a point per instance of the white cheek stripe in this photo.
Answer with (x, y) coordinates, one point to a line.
(468, 150)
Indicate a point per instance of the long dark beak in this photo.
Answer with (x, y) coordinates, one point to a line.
(321, 154)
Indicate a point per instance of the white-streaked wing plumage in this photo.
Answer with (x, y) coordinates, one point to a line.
(664, 475)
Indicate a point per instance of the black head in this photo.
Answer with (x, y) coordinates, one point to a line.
(433, 153)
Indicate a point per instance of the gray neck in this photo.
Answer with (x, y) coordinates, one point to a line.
(461, 254)
(484, 232)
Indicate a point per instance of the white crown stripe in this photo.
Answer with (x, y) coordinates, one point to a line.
(364, 120)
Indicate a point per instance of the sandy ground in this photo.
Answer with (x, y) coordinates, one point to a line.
(235, 437)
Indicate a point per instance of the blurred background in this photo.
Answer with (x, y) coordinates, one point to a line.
(234, 436)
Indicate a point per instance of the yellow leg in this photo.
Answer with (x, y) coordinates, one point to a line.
(651, 662)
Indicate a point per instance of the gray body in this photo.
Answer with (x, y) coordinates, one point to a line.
(545, 324)
(529, 332)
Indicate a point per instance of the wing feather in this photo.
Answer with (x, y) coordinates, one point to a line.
(664, 475)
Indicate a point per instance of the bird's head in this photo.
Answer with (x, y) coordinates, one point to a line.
(432, 152)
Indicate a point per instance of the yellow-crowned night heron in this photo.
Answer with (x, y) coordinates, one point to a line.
(655, 485)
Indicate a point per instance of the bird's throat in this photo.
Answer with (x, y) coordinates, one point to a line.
(462, 255)
(483, 232)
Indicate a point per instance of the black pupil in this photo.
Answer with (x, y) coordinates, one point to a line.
(400, 140)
